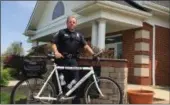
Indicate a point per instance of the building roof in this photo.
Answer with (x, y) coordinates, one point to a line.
(34, 19)
(40, 6)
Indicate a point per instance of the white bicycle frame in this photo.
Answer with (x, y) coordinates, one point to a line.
(82, 80)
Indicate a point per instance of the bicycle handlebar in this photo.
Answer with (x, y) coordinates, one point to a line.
(97, 54)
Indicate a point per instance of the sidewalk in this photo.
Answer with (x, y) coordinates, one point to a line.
(161, 93)
(13, 82)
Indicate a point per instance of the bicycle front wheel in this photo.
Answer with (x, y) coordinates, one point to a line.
(110, 89)
(25, 90)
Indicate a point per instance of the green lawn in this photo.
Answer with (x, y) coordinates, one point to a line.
(5, 98)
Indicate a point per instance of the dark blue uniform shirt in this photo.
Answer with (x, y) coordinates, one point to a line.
(69, 42)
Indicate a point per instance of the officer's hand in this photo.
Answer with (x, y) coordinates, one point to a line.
(58, 55)
(96, 58)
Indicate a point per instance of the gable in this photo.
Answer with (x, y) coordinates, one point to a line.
(36, 14)
(56, 11)
(43, 13)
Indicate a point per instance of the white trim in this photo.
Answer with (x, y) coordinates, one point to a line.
(58, 24)
(109, 5)
(116, 44)
(94, 33)
(101, 33)
(113, 36)
(153, 56)
(30, 19)
(30, 32)
(51, 24)
(157, 8)
(126, 9)
(52, 28)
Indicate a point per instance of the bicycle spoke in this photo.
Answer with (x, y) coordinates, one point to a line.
(25, 91)
(110, 90)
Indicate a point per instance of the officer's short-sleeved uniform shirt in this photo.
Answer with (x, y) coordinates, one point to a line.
(69, 42)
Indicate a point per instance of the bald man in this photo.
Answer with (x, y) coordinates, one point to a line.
(66, 46)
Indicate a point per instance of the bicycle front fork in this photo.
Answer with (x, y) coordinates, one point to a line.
(97, 85)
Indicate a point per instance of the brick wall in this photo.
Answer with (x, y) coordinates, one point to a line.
(162, 55)
(128, 52)
(128, 39)
(148, 27)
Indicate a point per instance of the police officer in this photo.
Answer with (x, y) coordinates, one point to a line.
(66, 46)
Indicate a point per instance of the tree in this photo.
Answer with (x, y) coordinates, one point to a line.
(15, 49)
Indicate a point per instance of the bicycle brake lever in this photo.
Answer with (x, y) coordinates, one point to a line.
(98, 60)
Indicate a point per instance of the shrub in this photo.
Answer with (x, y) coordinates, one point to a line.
(13, 72)
(5, 77)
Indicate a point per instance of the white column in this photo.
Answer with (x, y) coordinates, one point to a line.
(101, 34)
(94, 34)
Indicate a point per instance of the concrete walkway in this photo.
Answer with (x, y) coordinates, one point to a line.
(161, 93)
(13, 82)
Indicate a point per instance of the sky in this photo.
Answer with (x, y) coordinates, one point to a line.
(15, 16)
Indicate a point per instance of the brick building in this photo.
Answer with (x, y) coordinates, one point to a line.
(137, 31)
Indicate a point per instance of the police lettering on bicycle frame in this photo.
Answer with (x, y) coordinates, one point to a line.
(66, 45)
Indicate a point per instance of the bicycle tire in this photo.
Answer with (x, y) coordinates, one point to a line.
(30, 92)
(95, 97)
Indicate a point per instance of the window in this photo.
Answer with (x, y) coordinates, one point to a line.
(115, 43)
(58, 10)
(119, 50)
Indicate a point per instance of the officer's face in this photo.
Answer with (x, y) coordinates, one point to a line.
(71, 23)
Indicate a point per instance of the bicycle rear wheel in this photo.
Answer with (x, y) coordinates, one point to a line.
(24, 91)
(110, 89)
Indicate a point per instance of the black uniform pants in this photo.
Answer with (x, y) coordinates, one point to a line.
(69, 75)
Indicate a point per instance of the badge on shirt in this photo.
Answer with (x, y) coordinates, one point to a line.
(77, 34)
(66, 35)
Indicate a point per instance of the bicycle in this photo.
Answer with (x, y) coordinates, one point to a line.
(38, 90)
